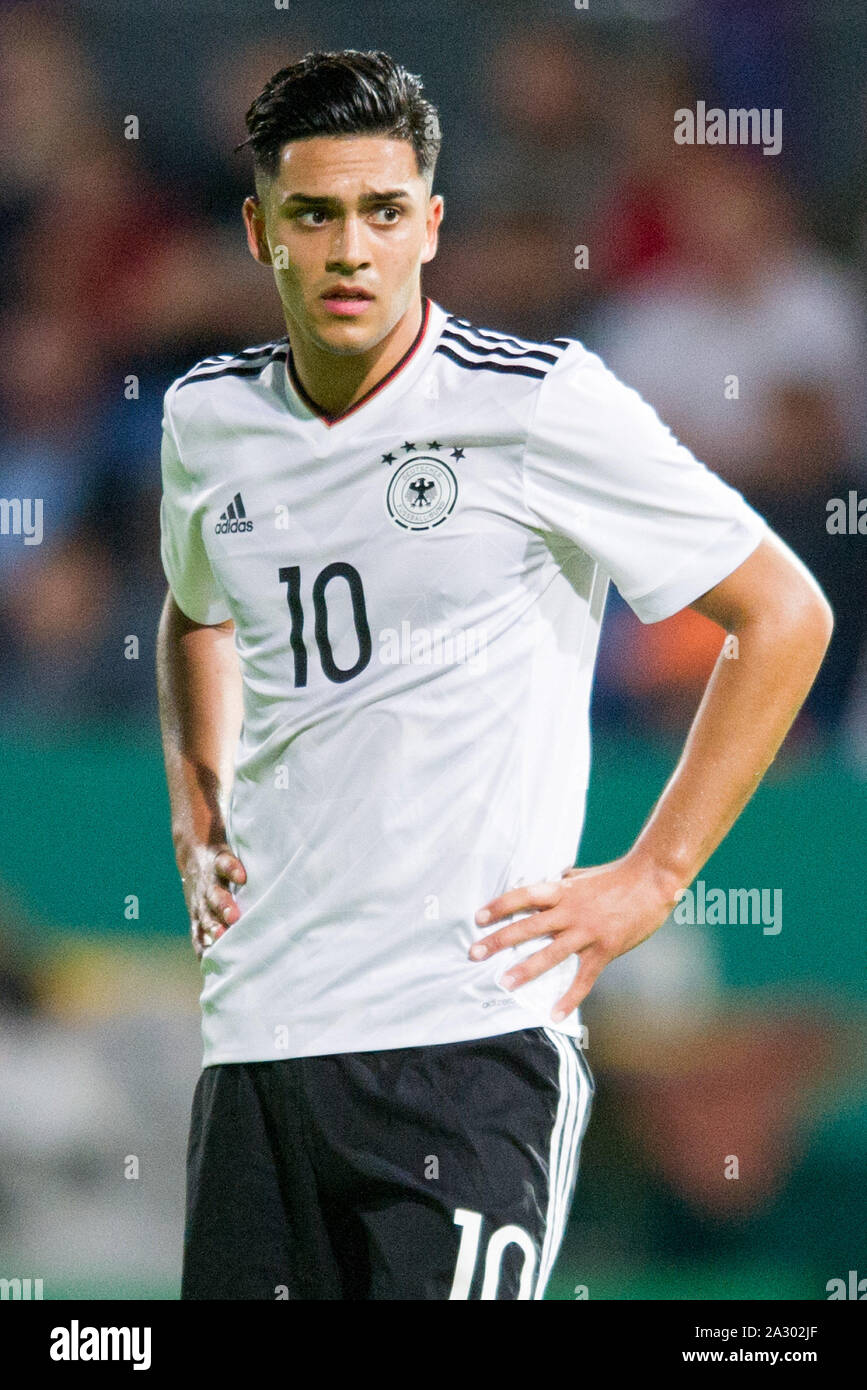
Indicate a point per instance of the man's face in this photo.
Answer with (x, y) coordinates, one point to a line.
(351, 211)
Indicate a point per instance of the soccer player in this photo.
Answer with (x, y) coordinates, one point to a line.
(388, 538)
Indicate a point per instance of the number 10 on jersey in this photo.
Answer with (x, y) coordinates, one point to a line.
(290, 575)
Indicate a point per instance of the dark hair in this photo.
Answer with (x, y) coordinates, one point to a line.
(345, 93)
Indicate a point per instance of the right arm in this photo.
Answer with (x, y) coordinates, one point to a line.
(199, 690)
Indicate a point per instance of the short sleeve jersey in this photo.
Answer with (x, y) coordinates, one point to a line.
(417, 588)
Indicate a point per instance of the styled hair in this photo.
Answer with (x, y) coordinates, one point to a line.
(342, 93)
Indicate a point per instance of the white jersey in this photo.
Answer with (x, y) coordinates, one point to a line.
(417, 587)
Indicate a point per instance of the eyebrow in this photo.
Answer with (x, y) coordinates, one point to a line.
(392, 195)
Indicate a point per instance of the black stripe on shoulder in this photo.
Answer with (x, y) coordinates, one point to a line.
(504, 350)
(250, 362)
(489, 366)
(199, 377)
(493, 335)
(244, 355)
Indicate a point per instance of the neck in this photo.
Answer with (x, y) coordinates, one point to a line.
(334, 381)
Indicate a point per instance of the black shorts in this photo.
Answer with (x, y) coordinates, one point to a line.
(442, 1172)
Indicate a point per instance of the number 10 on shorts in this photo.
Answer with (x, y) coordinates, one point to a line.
(468, 1254)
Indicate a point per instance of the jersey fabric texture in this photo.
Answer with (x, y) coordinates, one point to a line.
(440, 1173)
(417, 588)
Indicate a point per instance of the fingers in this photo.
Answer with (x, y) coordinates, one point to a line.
(222, 904)
(538, 896)
(229, 871)
(229, 867)
(536, 964)
(537, 924)
(214, 916)
(590, 968)
(214, 908)
(532, 895)
(205, 932)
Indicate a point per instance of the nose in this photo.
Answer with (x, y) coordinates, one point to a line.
(347, 248)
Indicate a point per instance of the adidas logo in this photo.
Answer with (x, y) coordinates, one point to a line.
(234, 518)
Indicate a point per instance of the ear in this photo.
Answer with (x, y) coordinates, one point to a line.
(254, 222)
(436, 209)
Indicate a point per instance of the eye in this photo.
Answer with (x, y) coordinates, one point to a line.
(311, 212)
(391, 208)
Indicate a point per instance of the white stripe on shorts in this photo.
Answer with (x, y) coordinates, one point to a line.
(572, 1111)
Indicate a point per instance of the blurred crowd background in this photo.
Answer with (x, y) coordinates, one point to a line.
(125, 262)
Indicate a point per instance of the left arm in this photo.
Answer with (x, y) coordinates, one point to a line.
(783, 624)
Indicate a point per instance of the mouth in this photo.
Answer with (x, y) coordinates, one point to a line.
(346, 300)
